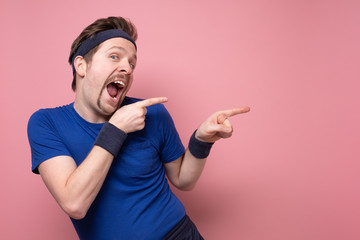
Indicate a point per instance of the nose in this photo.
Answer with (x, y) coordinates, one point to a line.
(124, 67)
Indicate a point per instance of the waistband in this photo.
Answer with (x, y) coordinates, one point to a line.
(185, 229)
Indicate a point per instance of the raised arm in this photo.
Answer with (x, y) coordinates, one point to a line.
(185, 171)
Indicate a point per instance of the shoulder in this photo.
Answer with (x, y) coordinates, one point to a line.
(48, 115)
(48, 111)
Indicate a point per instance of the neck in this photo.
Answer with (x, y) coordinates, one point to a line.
(88, 113)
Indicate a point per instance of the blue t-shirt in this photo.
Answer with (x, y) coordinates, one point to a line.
(135, 201)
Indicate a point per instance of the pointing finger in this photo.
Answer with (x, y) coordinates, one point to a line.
(235, 111)
(152, 101)
(231, 112)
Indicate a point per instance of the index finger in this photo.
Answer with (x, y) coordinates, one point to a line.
(235, 111)
(231, 112)
(152, 101)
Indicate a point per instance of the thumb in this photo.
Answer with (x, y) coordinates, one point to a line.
(221, 118)
(222, 128)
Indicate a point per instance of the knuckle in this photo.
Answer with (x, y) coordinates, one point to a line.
(141, 126)
(139, 112)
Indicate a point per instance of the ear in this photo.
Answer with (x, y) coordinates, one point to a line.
(80, 66)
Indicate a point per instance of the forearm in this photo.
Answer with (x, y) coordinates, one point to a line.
(76, 187)
(85, 182)
(185, 172)
(190, 169)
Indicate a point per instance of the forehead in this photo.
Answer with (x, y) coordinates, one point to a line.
(118, 43)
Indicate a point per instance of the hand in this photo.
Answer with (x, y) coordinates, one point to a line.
(131, 118)
(218, 125)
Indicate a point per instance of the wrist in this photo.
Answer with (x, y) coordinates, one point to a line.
(198, 148)
(119, 126)
(110, 138)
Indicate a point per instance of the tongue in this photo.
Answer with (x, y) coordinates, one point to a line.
(112, 90)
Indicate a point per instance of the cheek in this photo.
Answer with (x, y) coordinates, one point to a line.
(93, 87)
(92, 84)
(97, 76)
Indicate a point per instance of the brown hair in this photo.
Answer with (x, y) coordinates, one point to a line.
(100, 25)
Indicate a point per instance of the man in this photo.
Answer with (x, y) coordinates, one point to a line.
(105, 157)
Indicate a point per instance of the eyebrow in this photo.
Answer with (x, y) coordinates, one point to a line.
(122, 49)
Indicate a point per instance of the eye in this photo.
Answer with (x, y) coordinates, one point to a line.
(114, 57)
(132, 66)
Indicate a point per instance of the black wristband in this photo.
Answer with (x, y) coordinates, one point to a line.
(110, 138)
(198, 148)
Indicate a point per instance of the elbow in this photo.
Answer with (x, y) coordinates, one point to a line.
(186, 187)
(183, 183)
(74, 210)
(77, 215)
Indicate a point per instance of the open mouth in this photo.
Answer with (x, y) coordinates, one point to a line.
(115, 88)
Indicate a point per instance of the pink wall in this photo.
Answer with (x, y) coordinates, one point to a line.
(291, 170)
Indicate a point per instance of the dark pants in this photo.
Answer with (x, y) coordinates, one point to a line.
(184, 230)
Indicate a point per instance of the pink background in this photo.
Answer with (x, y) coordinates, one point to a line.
(291, 169)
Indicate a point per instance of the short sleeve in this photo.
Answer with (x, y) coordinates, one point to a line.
(44, 141)
(171, 147)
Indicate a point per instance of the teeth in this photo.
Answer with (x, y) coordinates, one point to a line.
(114, 98)
(120, 82)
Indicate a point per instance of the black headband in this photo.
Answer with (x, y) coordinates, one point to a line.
(100, 37)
